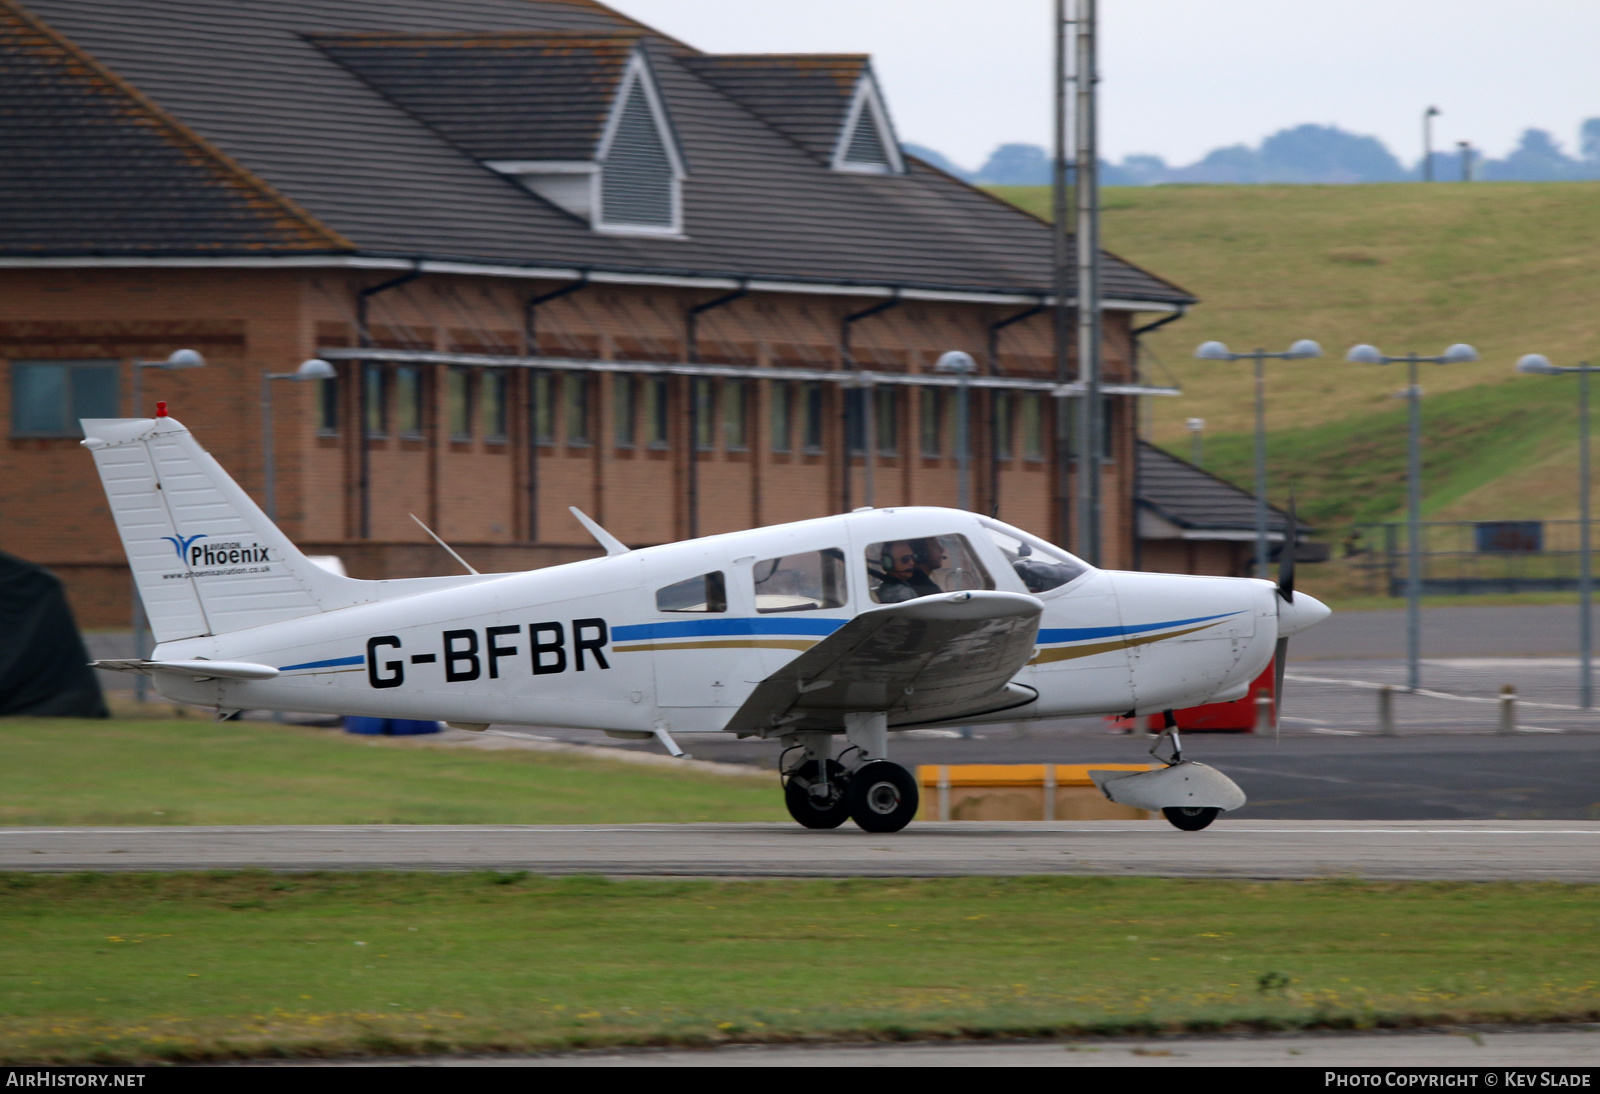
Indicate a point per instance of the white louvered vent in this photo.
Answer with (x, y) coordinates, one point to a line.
(640, 173)
(867, 143)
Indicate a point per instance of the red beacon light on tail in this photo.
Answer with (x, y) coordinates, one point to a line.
(161, 410)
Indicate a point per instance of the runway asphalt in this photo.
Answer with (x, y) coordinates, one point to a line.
(1431, 851)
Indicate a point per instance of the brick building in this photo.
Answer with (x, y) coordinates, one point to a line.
(557, 259)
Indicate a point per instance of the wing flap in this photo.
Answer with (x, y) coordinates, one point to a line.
(927, 659)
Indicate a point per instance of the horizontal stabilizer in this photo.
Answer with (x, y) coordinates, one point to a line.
(925, 660)
(200, 669)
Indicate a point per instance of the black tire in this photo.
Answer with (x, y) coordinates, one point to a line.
(1188, 818)
(813, 811)
(883, 796)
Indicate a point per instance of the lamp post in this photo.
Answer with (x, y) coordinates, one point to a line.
(963, 366)
(1216, 351)
(178, 359)
(1369, 355)
(1196, 427)
(313, 369)
(1539, 365)
(1466, 160)
(1427, 142)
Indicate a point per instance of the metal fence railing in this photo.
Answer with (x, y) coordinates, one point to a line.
(1460, 556)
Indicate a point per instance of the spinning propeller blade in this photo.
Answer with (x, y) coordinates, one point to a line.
(1286, 591)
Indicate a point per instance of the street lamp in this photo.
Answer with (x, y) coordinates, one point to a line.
(1427, 142)
(178, 359)
(313, 369)
(1537, 364)
(963, 366)
(1455, 355)
(1216, 351)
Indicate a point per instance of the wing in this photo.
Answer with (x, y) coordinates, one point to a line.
(925, 660)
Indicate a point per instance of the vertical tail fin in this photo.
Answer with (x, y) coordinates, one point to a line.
(205, 558)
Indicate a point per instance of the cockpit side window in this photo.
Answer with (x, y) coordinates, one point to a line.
(706, 593)
(803, 582)
(1041, 566)
(904, 569)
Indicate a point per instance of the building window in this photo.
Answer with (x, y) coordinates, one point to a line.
(377, 401)
(931, 404)
(704, 426)
(577, 389)
(855, 420)
(811, 436)
(328, 405)
(494, 404)
(48, 397)
(656, 405)
(622, 409)
(408, 400)
(1002, 425)
(458, 403)
(782, 411)
(734, 415)
(867, 142)
(544, 415)
(1030, 413)
(887, 406)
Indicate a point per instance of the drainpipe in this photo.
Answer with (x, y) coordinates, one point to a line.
(691, 342)
(530, 331)
(848, 360)
(363, 456)
(994, 399)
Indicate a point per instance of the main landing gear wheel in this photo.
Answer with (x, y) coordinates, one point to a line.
(1188, 818)
(821, 810)
(883, 796)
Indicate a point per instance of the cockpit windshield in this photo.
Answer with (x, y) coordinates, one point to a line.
(904, 569)
(1042, 566)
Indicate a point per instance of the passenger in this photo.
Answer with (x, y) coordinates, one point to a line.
(930, 558)
(902, 580)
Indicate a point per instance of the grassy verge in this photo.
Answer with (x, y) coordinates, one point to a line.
(141, 967)
(69, 771)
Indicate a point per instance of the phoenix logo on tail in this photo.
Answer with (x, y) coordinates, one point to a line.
(180, 543)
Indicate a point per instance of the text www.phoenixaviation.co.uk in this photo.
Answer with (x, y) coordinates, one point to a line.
(219, 573)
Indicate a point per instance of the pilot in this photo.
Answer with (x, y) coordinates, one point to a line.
(930, 558)
(902, 579)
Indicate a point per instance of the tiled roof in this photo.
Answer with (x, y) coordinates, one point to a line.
(802, 95)
(496, 96)
(1193, 498)
(90, 165)
(250, 79)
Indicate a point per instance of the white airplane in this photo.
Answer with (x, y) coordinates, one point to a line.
(861, 624)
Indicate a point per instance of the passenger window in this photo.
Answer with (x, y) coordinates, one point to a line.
(904, 569)
(800, 583)
(706, 593)
(1041, 566)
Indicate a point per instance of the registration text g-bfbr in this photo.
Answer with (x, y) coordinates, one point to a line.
(471, 654)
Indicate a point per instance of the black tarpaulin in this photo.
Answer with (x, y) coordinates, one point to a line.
(44, 669)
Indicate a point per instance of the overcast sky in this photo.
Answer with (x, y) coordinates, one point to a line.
(1181, 77)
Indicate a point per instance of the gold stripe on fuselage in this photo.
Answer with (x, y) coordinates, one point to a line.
(1068, 653)
(723, 644)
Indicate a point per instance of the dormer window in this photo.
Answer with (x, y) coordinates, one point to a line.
(866, 142)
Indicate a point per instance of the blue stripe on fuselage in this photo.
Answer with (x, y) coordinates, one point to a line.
(1080, 634)
(334, 663)
(708, 628)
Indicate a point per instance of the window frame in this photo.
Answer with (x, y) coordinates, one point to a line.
(70, 409)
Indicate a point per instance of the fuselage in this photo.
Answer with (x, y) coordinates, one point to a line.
(677, 636)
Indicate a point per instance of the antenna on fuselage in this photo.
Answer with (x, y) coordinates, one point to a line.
(611, 543)
(442, 543)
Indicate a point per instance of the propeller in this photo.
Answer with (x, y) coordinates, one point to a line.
(1286, 591)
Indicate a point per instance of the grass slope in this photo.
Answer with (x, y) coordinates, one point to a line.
(69, 771)
(1507, 267)
(138, 967)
